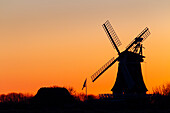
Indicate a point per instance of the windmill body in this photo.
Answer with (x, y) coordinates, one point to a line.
(129, 71)
(129, 78)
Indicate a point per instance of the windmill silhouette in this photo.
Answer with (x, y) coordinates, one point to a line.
(129, 76)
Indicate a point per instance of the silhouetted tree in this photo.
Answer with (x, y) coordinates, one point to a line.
(71, 90)
(162, 90)
(80, 96)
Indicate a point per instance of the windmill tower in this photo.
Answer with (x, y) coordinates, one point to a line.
(129, 76)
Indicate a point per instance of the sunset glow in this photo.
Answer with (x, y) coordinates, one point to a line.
(61, 42)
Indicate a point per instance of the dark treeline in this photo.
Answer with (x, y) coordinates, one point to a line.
(14, 98)
(60, 99)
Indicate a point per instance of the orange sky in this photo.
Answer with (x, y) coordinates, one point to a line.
(61, 42)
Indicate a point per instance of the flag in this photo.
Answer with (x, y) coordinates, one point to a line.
(84, 85)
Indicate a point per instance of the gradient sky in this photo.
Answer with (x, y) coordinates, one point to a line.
(61, 42)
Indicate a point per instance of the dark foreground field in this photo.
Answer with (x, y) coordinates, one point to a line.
(87, 110)
(91, 106)
(84, 111)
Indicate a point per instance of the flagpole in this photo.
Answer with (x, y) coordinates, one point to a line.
(85, 85)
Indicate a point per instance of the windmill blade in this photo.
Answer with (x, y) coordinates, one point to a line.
(140, 38)
(103, 69)
(112, 35)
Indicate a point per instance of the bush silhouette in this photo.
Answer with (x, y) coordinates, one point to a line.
(162, 90)
(51, 96)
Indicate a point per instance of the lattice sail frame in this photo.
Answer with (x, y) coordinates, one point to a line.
(143, 35)
(112, 33)
(102, 69)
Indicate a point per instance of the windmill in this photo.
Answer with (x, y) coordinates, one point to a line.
(129, 76)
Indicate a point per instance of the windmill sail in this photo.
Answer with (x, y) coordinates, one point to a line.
(103, 69)
(140, 38)
(112, 35)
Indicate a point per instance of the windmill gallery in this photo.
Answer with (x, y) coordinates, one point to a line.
(129, 78)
